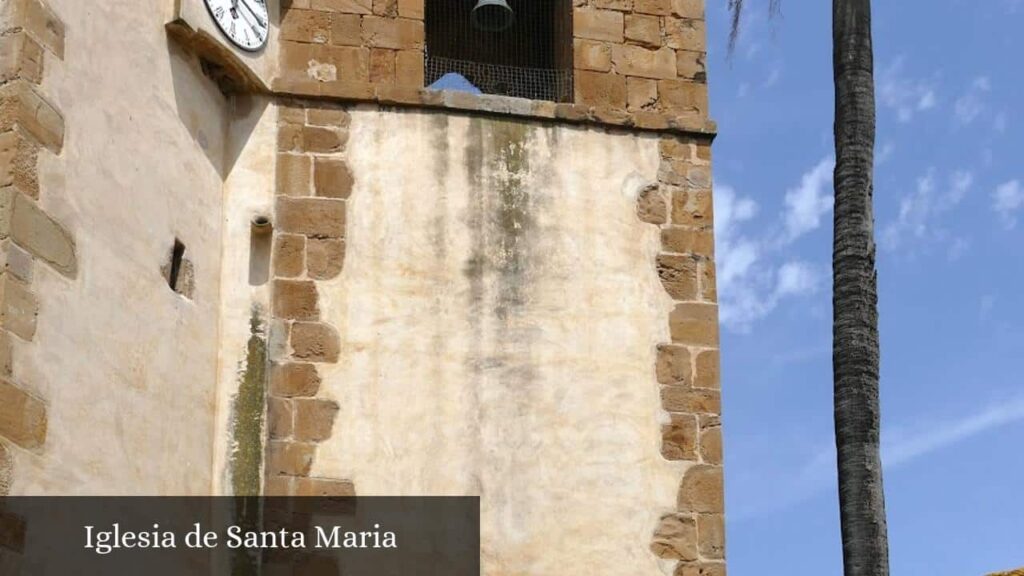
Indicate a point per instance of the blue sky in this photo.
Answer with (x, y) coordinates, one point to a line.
(949, 192)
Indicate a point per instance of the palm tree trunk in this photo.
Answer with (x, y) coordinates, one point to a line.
(855, 296)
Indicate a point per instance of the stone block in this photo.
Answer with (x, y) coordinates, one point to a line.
(314, 217)
(326, 258)
(347, 30)
(699, 569)
(382, 66)
(650, 120)
(632, 60)
(314, 419)
(289, 458)
(681, 96)
(702, 490)
(685, 400)
(605, 25)
(711, 445)
(307, 26)
(692, 207)
(695, 324)
(294, 379)
(708, 281)
(686, 34)
(678, 275)
(386, 8)
(18, 161)
(21, 57)
(6, 354)
(324, 487)
(693, 9)
(620, 5)
(642, 94)
(320, 140)
(21, 105)
(679, 438)
(279, 418)
(19, 308)
(327, 64)
(643, 30)
(592, 55)
(278, 485)
(22, 417)
(294, 174)
(393, 33)
(36, 19)
(6, 470)
(291, 113)
(295, 300)
(708, 371)
(315, 342)
(675, 538)
(411, 9)
(691, 65)
(711, 536)
(675, 149)
(410, 68)
(333, 178)
(289, 255)
(289, 138)
(600, 89)
(657, 7)
(651, 206)
(704, 151)
(673, 365)
(349, 90)
(344, 6)
(329, 116)
(686, 240)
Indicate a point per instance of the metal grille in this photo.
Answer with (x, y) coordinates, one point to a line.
(532, 83)
(531, 59)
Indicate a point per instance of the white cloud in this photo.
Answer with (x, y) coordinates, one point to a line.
(781, 487)
(751, 282)
(921, 211)
(885, 154)
(1007, 200)
(972, 104)
(807, 203)
(795, 279)
(903, 446)
(1000, 122)
(957, 248)
(904, 95)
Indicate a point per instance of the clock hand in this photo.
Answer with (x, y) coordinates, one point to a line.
(248, 7)
(244, 17)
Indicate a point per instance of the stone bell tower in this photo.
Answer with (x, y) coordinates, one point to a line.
(403, 248)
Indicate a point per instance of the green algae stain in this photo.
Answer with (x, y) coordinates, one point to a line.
(247, 412)
(247, 421)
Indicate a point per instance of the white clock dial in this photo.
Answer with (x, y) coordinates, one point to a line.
(245, 22)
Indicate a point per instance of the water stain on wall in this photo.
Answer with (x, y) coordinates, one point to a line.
(247, 413)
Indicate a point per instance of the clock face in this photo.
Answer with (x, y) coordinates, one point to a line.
(245, 22)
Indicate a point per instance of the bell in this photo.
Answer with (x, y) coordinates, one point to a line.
(492, 16)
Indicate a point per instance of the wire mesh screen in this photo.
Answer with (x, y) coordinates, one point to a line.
(527, 52)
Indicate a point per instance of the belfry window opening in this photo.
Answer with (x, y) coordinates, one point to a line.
(520, 48)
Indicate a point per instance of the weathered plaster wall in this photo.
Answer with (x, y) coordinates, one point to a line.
(126, 366)
(245, 296)
(499, 313)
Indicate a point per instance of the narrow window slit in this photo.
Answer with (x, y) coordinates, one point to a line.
(177, 256)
